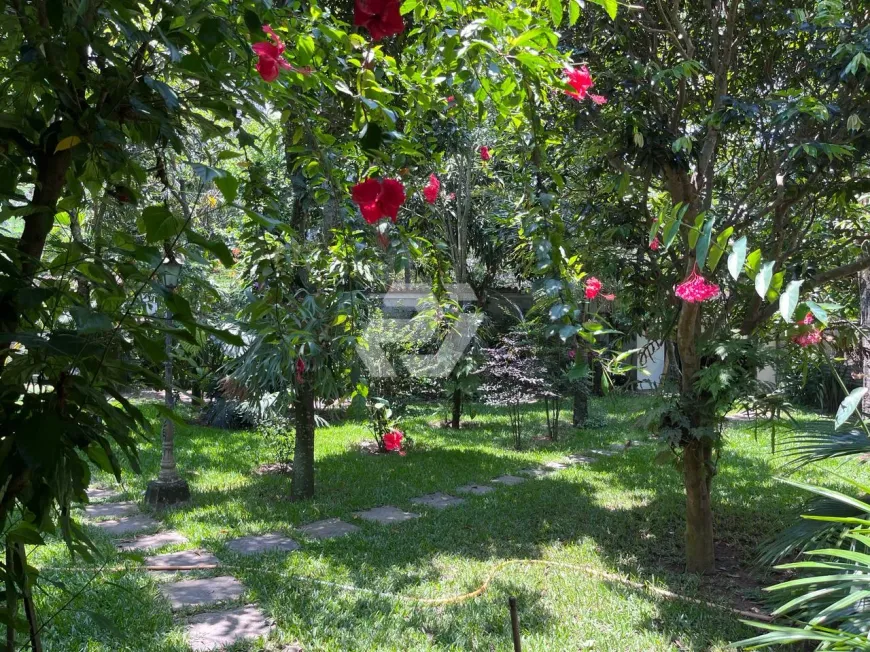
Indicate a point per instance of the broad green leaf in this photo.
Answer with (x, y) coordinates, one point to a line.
(848, 406)
(704, 243)
(217, 247)
(567, 331)
(671, 232)
(229, 187)
(653, 230)
(556, 11)
(718, 249)
(695, 233)
(24, 532)
(160, 224)
(67, 143)
(753, 261)
(573, 11)
(763, 278)
(558, 311)
(818, 312)
(788, 300)
(737, 257)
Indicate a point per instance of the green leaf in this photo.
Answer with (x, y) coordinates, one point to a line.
(718, 249)
(216, 247)
(753, 260)
(160, 224)
(695, 233)
(848, 406)
(818, 312)
(556, 11)
(166, 413)
(704, 243)
(567, 331)
(763, 278)
(573, 11)
(67, 143)
(788, 300)
(98, 455)
(168, 95)
(653, 231)
(207, 173)
(23, 532)
(558, 311)
(229, 187)
(737, 258)
(671, 231)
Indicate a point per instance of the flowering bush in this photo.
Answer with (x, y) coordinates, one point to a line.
(389, 438)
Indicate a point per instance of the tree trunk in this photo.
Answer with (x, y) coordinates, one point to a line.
(302, 483)
(581, 407)
(864, 290)
(457, 408)
(697, 476)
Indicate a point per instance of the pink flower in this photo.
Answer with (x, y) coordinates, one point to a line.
(380, 17)
(450, 99)
(451, 196)
(598, 99)
(810, 337)
(378, 199)
(655, 244)
(593, 287)
(608, 297)
(430, 191)
(484, 153)
(393, 440)
(809, 319)
(580, 80)
(270, 56)
(695, 288)
(300, 369)
(572, 354)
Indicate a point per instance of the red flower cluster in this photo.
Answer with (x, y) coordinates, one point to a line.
(378, 199)
(593, 287)
(393, 440)
(484, 153)
(430, 190)
(655, 244)
(380, 17)
(695, 288)
(581, 81)
(270, 57)
(809, 337)
(300, 369)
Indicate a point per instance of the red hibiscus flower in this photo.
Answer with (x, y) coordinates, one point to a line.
(580, 80)
(484, 153)
(430, 191)
(695, 288)
(378, 199)
(270, 56)
(380, 17)
(300, 369)
(655, 244)
(393, 440)
(593, 287)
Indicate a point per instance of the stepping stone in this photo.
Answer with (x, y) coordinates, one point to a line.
(579, 458)
(127, 525)
(536, 473)
(150, 541)
(605, 453)
(254, 545)
(474, 489)
(328, 529)
(214, 630)
(386, 515)
(508, 480)
(438, 500)
(112, 510)
(556, 465)
(196, 593)
(183, 559)
(97, 493)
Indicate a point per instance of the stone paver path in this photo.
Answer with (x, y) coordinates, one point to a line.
(386, 515)
(151, 541)
(111, 510)
(508, 480)
(198, 593)
(557, 465)
(438, 500)
(580, 458)
(474, 489)
(98, 493)
(328, 529)
(183, 559)
(214, 630)
(538, 472)
(254, 545)
(127, 525)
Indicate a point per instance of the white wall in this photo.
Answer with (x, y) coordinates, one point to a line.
(651, 366)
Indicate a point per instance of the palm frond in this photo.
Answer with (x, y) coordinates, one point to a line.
(802, 448)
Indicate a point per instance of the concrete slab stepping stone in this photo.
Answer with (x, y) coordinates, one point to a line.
(183, 559)
(438, 500)
(149, 541)
(508, 480)
(386, 515)
(538, 472)
(214, 630)
(127, 525)
(197, 593)
(256, 544)
(475, 489)
(328, 529)
(556, 465)
(98, 493)
(112, 510)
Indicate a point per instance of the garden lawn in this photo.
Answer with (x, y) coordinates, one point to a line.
(622, 514)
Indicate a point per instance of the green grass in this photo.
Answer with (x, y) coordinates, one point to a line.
(621, 514)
